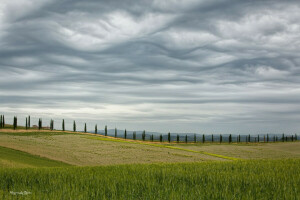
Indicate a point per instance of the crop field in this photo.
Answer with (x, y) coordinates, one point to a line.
(272, 179)
(10, 158)
(65, 165)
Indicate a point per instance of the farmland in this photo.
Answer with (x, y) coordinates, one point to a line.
(66, 165)
(275, 179)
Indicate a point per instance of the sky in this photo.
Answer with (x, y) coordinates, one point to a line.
(165, 65)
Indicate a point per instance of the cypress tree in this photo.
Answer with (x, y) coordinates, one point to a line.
(134, 135)
(26, 124)
(144, 135)
(105, 129)
(212, 138)
(267, 137)
(40, 123)
(152, 138)
(286, 138)
(177, 138)
(203, 138)
(96, 129)
(85, 127)
(282, 137)
(51, 124)
(230, 138)
(258, 138)
(249, 139)
(239, 138)
(274, 138)
(1, 121)
(160, 138)
(125, 134)
(186, 139)
(74, 126)
(15, 123)
(221, 138)
(116, 132)
(195, 138)
(29, 122)
(63, 125)
(169, 137)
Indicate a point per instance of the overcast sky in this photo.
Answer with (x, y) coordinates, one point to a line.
(165, 65)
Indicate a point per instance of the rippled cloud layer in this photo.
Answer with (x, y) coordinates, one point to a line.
(184, 66)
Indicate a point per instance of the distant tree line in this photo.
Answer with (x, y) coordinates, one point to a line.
(176, 138)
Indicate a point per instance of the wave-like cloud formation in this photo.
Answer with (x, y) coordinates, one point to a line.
(203, 66)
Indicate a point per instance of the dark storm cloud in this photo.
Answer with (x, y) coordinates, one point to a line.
(193, 63)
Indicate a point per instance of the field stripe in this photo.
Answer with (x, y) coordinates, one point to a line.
(104, 138)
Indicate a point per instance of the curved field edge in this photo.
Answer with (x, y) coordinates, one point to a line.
(103, 138)
(18, 159)
(255, 179)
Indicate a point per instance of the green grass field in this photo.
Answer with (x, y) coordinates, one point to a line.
(64, 165)
(10, 158)
(273, 179)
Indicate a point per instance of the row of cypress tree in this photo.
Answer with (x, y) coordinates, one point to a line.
(266, 138)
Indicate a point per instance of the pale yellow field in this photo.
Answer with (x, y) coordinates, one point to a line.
(90, 150)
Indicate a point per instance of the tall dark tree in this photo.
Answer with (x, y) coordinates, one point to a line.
(125, 134)
(221, 138)
(152, 137)
(105, 130)
(116, 132)
(186, 138)
(26, 124)
(230, 138)
(212, 138)
(282, 137)
(177, 138)
(51, 125)
(267, 137)
(144, 135)
(29, 121)
(160, 138)
(249, 138)
(40, 123)
(134, 135)
(15, 124)
(203, 138)
(195, 138)
(96, 129)
(239, 138)
(169, 137)
(63, 125)
(258, 138)
(85, 127)
(74, 126)
(1, 121)
(274, 138)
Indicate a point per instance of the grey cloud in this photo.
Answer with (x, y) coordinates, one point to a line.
(210, 65)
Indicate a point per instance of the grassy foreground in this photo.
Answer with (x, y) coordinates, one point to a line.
(255, 179)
